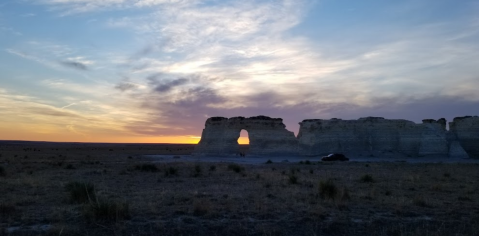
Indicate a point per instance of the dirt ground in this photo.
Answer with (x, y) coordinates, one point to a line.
(131, 190)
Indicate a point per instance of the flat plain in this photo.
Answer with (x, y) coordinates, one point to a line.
(117, 189)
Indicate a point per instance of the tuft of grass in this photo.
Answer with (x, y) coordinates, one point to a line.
(2, 171)
(367, 178)
(293, 179)
(197, 171)
(170, 171)
(328, 190)
(268, 161)
(236, 168)
(80, 192)
(107, 211)
(147, 168)
(69, 167)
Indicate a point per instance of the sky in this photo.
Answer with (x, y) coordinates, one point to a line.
(152, 71)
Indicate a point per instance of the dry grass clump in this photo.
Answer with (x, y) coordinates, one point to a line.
(171, 171)
(106, 210)
(80, 192)
(97, 209)
(293, 179)
(197, 171)
(328, 190)
(147, 168)
(367, 178)
(235, 167)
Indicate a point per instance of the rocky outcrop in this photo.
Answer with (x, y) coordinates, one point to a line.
(465, 130)
(373, 136)
(267, 136)
(363, 137)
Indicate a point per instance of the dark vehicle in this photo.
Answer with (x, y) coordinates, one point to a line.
(335, 157)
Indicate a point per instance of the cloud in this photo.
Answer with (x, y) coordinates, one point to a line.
(163, 87)
(68, 7)
(125, 86)
(75, 65)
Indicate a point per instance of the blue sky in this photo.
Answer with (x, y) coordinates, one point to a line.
(154, 70)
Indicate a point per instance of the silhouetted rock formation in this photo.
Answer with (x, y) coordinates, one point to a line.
(370, 136)
(267, 136)
(373, 136)
(465, 130)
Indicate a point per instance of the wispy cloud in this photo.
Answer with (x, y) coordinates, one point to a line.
(74, 65)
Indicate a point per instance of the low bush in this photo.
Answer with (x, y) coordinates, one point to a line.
(236, 168)
(293, 179)
(367, 179)
(328, 190)
(170, 171)
(147, 168)
(268, 162)
(197, 171)
(81, 192)
(107, 211)
(69, 167)
(2, 171)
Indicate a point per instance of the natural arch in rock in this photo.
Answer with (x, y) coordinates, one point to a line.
(267, 136)
(244, 137)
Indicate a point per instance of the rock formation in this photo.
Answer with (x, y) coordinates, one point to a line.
(373, 136)
(465, 130)
(267, 136)
(370, 136)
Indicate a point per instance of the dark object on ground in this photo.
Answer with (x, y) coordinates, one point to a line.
(335, 157)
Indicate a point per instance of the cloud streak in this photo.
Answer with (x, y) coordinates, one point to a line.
(75, 65)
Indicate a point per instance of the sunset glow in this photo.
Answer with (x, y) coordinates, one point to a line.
(152, 71)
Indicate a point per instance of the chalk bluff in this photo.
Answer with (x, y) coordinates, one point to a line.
(369, 136)
(268, 136)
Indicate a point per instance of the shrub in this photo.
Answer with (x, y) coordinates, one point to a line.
(109, 211)
(81, 192)
(293, 179)
(147, 168)
(212, 168)
(171, 171)
(366, 178)
(197, 171)
(236, 168)
(69, 167)
(268, 162)
(307, 162)
(2, 171)
(328, 190)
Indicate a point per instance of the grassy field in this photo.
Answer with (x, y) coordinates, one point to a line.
(110, 189)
